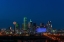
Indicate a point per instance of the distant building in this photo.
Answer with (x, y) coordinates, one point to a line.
(10, 28)
(17, 26)
(30, 24)
(25, 23)
(54, 31)
(14, 26)
(38, 27)
(60, 31)
(34, 26)
(41, 25)
(49, 26)
(3, 30)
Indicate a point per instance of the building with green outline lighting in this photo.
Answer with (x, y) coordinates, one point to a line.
(25, 23)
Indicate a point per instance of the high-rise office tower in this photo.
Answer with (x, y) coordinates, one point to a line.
(30, 21)
(30, 26)
(25, 23)
(49, 26)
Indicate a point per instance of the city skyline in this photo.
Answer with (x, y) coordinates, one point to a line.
(37, 10)
(10, 24)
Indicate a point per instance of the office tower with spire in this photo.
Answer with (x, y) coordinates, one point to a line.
(25, 23)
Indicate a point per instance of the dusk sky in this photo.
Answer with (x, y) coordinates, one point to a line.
(37, 10)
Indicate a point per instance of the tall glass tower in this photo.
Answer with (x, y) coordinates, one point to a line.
(30, 23)
(31, 29)
(49, 26)
(25, 23)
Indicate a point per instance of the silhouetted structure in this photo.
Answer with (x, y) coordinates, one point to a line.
(34, 27)
(41, 25)
(14, 26)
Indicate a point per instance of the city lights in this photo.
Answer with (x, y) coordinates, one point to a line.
(30, 28)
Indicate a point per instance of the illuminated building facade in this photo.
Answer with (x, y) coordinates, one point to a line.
(54, 31)
(41, 30)
(10, 28)
(30, 23)
(49, 26)
(30, 26)
(25, 24)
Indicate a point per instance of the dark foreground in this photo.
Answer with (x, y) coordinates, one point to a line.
(26, 39)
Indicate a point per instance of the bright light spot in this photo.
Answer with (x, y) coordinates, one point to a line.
(40, 30)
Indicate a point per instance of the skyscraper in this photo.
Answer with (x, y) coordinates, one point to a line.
(25, 23)
(49, 26)
(30, 21)
(30, 26)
